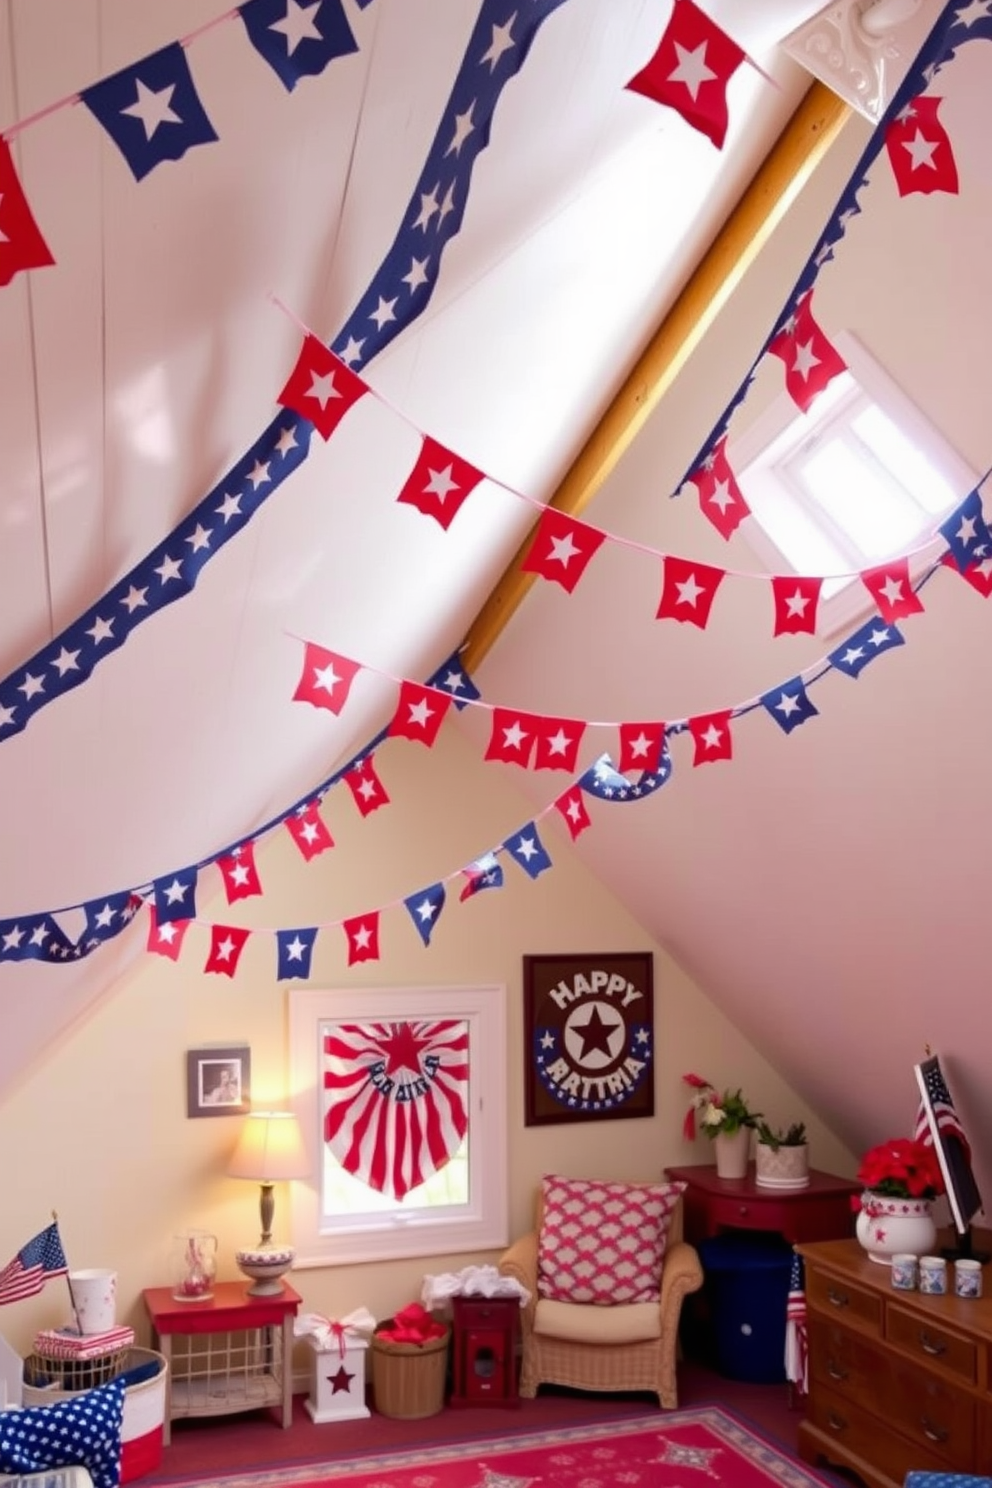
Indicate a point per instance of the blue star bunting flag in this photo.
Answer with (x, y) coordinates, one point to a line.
(35, 938)
(151, 110)
(298, 37)
(175, 896)
(529, 851)
(789, 704)
(295, 951)
(105, 917)
(604, 782)
(966, 532)
(425, 910)
(863, 646)
(972, 19)
(38, 1261)
(452, 677)
(485, 873)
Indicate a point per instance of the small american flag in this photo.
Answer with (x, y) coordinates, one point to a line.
(40, 1260)
(796, 1343)
(938, 1097)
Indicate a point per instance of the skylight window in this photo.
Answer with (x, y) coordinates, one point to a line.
(861, 478)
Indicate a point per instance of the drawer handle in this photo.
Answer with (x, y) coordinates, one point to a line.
(930, 1347)
(836, 1423)
(743, 1209)
(837, 1299)
(835, 1373)
(933, 1433)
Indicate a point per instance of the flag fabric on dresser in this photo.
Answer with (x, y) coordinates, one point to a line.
(942, 1106)
(796, 1342)
(38, 1261)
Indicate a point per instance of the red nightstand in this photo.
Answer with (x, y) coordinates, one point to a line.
(230, 1353)
(485, 1332)
(821, 1211)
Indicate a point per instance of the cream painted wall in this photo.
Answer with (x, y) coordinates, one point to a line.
(100, 1131)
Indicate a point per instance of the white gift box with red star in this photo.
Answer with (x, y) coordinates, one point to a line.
(337, 1381)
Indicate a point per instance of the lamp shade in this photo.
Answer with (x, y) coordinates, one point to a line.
(270, 1148)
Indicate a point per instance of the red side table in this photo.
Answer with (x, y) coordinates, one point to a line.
(484, 1337)
(821, 1211)
(230, 1353)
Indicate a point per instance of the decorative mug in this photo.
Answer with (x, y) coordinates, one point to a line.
(933, 1276)
(967, 1278)
(904, 1272)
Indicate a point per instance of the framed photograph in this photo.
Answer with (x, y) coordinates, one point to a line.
(588, 1037)
(218, 1080)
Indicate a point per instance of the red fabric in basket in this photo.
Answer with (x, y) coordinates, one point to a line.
(412, 1324)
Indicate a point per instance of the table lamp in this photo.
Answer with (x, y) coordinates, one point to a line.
(270, 1149)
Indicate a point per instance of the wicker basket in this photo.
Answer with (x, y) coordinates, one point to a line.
(408, 1379)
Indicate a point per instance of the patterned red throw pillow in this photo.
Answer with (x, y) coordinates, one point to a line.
(603, 1242)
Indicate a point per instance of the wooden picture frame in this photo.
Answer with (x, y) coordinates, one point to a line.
(588, 1037)
(218, 1080)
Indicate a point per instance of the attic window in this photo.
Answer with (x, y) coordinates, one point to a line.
(861, 478)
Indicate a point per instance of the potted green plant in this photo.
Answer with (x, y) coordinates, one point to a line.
(727, 1119)
(781, 1156)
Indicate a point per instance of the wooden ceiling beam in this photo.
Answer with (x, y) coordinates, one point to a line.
(797, 152)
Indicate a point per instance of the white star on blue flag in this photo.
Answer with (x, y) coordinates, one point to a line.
(151, 110)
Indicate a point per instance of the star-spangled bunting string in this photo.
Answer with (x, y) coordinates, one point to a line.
(171, 570)
(398, 293)
(601, 779)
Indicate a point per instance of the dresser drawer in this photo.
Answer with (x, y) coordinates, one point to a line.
(934, 1413)
(843, 1360)
(487, 1314)
(856, 1306)
(932, 1344)
(736, 1214)
(857, 1434)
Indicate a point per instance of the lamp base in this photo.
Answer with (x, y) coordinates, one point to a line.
(265, 1267)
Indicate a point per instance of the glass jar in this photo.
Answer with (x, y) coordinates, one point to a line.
(194, 1266)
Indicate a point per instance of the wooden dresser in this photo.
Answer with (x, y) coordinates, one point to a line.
(896, 1380)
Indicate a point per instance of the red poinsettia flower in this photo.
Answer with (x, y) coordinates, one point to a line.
(902, 1168)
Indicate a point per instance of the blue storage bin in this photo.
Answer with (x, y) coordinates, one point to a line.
(747, 1286)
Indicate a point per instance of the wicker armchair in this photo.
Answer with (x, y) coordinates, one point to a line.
(627, 1347)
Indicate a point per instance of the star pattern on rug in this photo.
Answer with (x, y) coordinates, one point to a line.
(492, 1479)
(675, 1455)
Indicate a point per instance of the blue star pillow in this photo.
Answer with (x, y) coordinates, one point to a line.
(82, 1431)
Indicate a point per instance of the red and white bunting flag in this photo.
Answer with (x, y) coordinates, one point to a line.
(309, 830)
(721, 500)
(690, 70)
(711, 736)
(241, 880)
(810, 361)
(571, 807)
(321, 387)
(226, 944)
(688, 590)
(367, 789)
(640, 746)
(419, 713)
(439, 482)
(562, 548)
(326, 678)
(363, 937)
(558, 741)
(978, 575)
(167, 939)
(21, 244)
(796, 599)
(512, 737)
(891, 588)
(919, 150)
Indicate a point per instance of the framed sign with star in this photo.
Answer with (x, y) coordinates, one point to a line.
(588, 1037)
(218, 1080)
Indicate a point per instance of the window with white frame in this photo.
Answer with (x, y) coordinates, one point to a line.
(401, 1095)
(861, 478)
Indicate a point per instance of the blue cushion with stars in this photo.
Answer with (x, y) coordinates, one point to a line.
(82, 1431)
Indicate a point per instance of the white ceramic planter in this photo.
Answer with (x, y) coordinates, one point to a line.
(888, 1227)
(731, 1153)
(781, 1167)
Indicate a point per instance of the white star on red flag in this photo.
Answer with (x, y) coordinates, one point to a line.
(919, 150)
(688, 591)
(796, 600)
(326, 678)
(690, 69)
(561, 548)
(309, 830)
(890, 587)
(721, 500)
(640, 746)
(557, 743)
(439, 482)
(810, 361)
(513, 735)
(321, 387)
(241, 880)
(226, 944)
(165, 939)
(419, 713)
(711, 736)
(363, 938)
(571, 807)
(366, 788)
